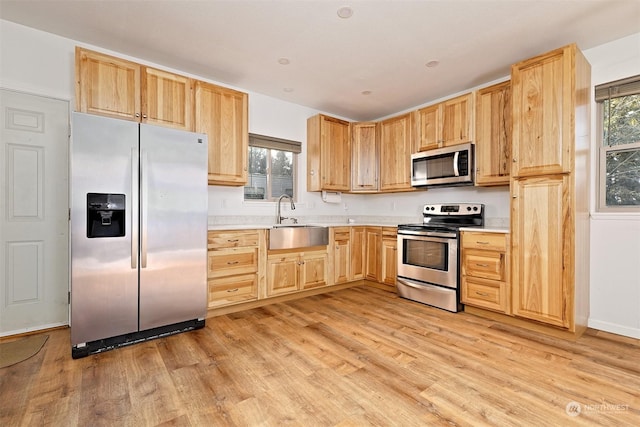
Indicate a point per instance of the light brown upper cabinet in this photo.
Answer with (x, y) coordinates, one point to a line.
(114, 87)
(365, 157)
(396, 141)
(543, 103)
(549, 186)
(493, 135)
(447, 123)
(222, 114)
(328, 154)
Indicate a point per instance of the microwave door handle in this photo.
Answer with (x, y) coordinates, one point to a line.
(456, 171)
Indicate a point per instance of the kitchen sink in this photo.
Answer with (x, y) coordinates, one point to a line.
(292, 236)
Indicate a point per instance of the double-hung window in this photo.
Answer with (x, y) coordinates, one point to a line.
(272, 168)
(619, 169)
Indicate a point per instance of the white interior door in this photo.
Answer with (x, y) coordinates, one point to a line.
(34, 192)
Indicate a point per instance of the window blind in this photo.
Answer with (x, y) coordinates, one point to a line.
(273, 143)
(623, 87)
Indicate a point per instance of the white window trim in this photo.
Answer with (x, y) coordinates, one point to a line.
(602, 210)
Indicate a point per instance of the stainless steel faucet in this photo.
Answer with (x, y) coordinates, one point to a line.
(280, 218)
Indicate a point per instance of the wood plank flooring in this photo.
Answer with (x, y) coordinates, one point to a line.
(355, 357)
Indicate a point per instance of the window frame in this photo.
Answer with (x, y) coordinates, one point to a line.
(272, 144)
(604, 149)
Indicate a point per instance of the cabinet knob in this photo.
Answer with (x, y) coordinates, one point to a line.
(144, 116)
(137, 114)
(515, 160)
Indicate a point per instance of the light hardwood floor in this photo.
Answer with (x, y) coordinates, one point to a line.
(354, 357)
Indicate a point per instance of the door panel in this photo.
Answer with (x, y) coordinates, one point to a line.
(174, 206)
(34, 276)
(104, 275)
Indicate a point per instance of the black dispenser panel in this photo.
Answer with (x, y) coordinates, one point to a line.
(105, 215)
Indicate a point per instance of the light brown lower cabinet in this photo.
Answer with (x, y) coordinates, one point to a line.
(358, 252)
(373, 244)
(233, 267)
(241, 270)
(381, 255)
(389, 256)
(485, 271)
(340, 241)
(294, 271)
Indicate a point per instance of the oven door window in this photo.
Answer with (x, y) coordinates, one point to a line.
(426, 254)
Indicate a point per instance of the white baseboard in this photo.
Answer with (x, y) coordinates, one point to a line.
(33, 329)
(615, 328)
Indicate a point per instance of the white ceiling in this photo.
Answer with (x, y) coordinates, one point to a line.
(382, 48)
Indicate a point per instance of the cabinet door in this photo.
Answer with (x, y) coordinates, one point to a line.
(107, 86)
(223, 115)
(335, 154)
(389, 261)
(428, 128)
(396, 142)
(493, 135)
(364, 159)
(313, 270)
(358, 253)
(373, 238)
(541, 249)
(341, 259)
(167, 99)
(543, 131)
(456, 120)
(282, 274)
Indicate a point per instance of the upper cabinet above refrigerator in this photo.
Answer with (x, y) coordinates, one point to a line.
(122, 89)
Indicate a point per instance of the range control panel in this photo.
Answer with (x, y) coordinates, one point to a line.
(453, 209)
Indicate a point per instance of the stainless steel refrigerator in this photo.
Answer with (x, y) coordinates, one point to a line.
(138, 232)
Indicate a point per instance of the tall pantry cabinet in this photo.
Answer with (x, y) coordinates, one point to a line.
(549, 178)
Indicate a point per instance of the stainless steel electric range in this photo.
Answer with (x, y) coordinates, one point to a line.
(428, 254)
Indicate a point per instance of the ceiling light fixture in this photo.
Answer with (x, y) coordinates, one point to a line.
(345, 12)
(283, 61)
(433, 63)
(366, 92)
(288, 89)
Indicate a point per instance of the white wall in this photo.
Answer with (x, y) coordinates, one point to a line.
(615, 238)
(41, 63)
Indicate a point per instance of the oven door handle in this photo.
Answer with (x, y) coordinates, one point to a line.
(427, 234)
(421, 286)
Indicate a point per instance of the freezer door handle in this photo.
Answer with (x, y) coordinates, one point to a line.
(134, 208)
(143, 208)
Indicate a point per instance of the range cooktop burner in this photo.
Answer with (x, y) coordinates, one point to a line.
(449, 217)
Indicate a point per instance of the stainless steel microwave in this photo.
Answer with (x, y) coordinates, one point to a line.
(450, 166)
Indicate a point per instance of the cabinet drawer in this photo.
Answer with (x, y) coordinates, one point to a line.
(233, 289)
(389, 232)
(489, 294)
(484, 264)
(341, 235)
(233, 261)
(487, 241)
(232, 239)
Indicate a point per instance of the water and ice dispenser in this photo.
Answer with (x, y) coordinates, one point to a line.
(105, 215)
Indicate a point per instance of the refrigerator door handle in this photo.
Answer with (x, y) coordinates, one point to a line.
(143, 208)
(134, 208)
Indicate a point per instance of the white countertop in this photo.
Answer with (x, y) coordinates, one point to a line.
(269, 226)
(486, 229)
